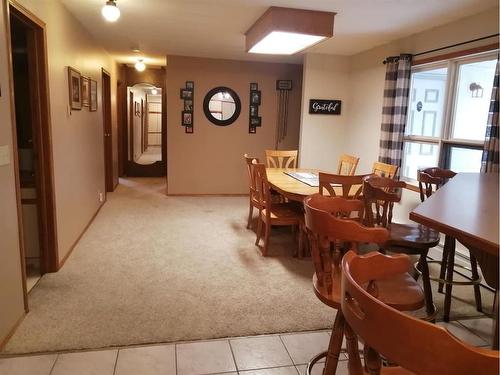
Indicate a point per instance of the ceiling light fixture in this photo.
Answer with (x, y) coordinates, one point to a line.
(154, 91)
(285, 31)
(140, 66)
(110, 11)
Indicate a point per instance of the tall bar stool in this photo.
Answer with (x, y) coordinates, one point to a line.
(327, 222)
(430, 180)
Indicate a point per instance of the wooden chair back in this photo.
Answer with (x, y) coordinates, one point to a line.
(380, 194)
(431, 179)
(347, 165)
(384, 170)
(327, 221)
(262, 186)
(281, 158)
(328, 182)
(251, 176)
(416, 345)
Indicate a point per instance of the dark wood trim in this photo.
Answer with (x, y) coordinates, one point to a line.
(63, 260)
(130, 129)
(453, 55)
(107, 130)
(11, 332)
(29, 201)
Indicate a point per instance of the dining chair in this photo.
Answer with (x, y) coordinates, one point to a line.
(384, 170)
(417, 346)
(347, 165)
(380, 194)
(327, 223)
(281, 158)
(253, 195)
(430, 180)
(333, 184)
(271, 213)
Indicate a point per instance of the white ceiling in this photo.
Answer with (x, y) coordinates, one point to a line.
(215, 28)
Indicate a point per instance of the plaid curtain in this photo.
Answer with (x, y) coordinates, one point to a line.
(490, 151)
(397, 88)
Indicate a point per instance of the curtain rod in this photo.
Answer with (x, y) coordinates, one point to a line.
(452, 45)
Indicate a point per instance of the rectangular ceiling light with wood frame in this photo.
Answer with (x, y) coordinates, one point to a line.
(285, 31)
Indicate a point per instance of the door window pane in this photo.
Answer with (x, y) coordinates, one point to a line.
(427, 101)
(417, 156)
(465, 159)
(475, 81)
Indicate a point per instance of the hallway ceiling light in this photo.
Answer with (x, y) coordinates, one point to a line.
(140, 66)
(110, 11)
(285, 31)
(154, 91)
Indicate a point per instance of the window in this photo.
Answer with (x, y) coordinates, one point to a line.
(447, 114)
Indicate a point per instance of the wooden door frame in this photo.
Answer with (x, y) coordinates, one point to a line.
(107, 130)
(40, 97)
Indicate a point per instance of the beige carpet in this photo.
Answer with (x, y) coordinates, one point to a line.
(153, 268)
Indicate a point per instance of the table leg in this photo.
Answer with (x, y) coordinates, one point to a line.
(450, 262)
(494, 345)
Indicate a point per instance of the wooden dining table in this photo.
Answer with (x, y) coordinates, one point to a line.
(466, 208)
(288, 186)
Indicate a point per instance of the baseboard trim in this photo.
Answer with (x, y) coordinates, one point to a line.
(208, 195)
(11, 332)
(63, 260)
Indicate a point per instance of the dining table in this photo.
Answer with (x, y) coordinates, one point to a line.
(466, 208)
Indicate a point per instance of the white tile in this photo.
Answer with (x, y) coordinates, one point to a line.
(86, 363)
(35, 365)
(303, 346)
(482, 327)
(208, 357)
(288, 370)
(151, 360)
(260, 352)
(463, 333)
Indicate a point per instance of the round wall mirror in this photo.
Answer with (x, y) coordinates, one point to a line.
(222, 106)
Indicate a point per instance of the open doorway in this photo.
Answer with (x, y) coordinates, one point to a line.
(32, 146)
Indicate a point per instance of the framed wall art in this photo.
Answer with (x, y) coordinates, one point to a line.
(187, 116)
(75, 89)
(93, 96)
(85, 91)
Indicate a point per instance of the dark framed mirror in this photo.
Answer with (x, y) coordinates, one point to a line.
(222, 106)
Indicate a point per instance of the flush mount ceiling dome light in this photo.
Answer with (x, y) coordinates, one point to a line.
(154, 91)
(110, 11)
(140, 66)
(285, 31)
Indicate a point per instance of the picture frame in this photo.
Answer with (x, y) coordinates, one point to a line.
(188, 105)
(189, 130)
(255, 122)
(254, 110)
(189, 85)
(254, 86)
(255, 97)
(75, 88)
(85, 91)
(187, 118)
(252, 130)
(93, 96)
(186, 94)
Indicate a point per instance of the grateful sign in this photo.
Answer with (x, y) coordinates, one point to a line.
(324, 107)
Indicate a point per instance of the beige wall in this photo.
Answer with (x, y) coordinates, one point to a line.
(322, 137)
(77, 146)
(210, 161)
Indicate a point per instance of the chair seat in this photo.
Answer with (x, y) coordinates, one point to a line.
(284, 212)
(412, 236)
(401, 292)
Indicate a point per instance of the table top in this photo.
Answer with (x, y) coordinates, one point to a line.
(288, 186)
(465, 208)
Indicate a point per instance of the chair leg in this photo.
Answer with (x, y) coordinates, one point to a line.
(332, 357)
(301, 241)
(266, 238)
(354, 363)
(475, 276)
(259, 229)
(250, 213)
(424, 268)
(449, 279)
(442, 271)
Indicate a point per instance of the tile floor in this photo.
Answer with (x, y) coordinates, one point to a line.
(285, 354)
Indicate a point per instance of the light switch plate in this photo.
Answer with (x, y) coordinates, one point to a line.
(4, 155)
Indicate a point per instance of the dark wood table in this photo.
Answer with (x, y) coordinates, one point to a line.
(466, 208)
